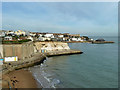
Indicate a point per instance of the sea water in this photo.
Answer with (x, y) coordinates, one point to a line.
(97, 67)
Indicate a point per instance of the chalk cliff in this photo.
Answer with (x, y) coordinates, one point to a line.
(51, 46)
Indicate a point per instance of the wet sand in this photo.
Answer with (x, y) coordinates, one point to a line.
(19, 79)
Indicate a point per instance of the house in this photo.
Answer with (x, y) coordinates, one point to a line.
(74, 39)
(32, 34)
(22, 38)
(20, 32)
(75, 36)
(10, 33)
(8, 38)
(61, 36)
(79, 39)
(66, 39)
(49, 35)
(84, 38)
(44, 39)
(2, 33)
(40, 35)
(31, 38)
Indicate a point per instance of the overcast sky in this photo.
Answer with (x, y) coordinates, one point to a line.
(85, 18)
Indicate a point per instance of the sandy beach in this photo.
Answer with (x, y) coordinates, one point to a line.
(19, 79)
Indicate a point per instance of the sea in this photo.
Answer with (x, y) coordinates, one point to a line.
(97, 67)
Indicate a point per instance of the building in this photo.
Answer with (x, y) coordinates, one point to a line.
(20, 32)
(22, 38)
(44, 39)
(32, 34)
(10, 32)
(2, 33)
(49, 35)
(100, 40)
(74, 39)
(31, 38)
(61, 36)
(8, 38)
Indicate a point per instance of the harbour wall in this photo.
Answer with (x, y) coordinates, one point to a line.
(22, 51)
(1, 48)
(1, 51)
(26, 50)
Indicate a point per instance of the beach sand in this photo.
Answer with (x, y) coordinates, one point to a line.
(19, 79)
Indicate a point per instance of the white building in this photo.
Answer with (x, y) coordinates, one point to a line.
(44, 39)
(74, 39)
(40, 35)
(49, 35)
(31, 38)
(2, 34)
(79, 39)
(32, 34)
(8, 38)
(61, 36)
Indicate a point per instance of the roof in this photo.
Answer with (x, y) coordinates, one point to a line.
(100, 39)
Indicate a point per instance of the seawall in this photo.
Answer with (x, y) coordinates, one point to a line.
(37, 58)
(22, 51)
(26, 50)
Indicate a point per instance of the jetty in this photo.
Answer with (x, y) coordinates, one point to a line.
(102, 42)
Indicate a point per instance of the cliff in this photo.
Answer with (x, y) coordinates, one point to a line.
(51, 46)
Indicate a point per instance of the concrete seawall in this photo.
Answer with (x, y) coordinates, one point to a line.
(35, 59)
(22, 51)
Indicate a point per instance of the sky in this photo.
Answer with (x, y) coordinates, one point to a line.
(84, 18)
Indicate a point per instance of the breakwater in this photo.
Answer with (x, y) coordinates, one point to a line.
(93, 42)
(102, 42)
(35, 59)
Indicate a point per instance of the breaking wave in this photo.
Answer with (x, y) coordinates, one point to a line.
(45, 79)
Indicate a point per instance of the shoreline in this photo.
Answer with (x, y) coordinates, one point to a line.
(36, 59)
(20, 79)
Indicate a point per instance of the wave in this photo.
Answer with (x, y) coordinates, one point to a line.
(44, 78)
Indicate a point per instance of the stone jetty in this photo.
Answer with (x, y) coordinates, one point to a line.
(102, 42)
